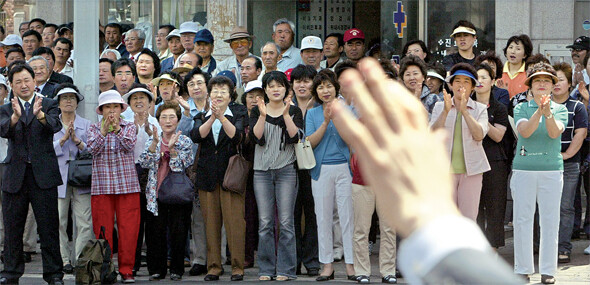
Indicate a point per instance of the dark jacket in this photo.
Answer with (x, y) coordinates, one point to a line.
(30, 136)
(48, 89)
(213, 159)
(59, 78)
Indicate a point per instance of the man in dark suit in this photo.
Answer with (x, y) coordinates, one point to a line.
(113, 35)
(31, 175)
(41, 68)
(54, 77)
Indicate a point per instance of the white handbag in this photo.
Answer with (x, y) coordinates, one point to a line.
(304, 153)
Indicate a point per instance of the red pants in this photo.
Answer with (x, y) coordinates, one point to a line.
(127, 209)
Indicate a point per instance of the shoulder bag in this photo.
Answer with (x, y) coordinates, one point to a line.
(236, 174)
(176, 189)
(80, 170)
(304, 153)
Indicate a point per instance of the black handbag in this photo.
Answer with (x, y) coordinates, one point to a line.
(176, 189)
(80, 170)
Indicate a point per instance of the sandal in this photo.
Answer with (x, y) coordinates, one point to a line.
(264, 278)
(282, 278)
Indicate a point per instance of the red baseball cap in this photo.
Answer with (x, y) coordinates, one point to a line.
(353, 34)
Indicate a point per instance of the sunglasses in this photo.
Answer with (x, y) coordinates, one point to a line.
(240, 42)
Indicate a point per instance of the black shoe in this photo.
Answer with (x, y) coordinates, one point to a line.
(237, 277)
(68, 268)
(56, 281)
(311, 272)
(175, 277)
(5, 280)
(27, 257)
(155, 277)
(211, 277)
(398, 274)
(352, 277)
(363, 279)
(563, 257)
(389, 279)
(547, 279)
(197, 270)
(325, 278)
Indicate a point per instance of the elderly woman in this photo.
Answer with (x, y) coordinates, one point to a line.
(169, 151)
(492, 204)
(537, 173)
(331, 177)
(115, 187)
(68, 142)
(413, 73)
(467, 124)
(517, 51)
(219, 132)
(571, 142)
(275, 126)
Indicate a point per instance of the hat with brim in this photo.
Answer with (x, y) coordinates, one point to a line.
(174, 33)
(12, 40)
(432, 73)
(582, 42)
(465, 30)
(110, 97)
(165, 76)
(254, 84)
(68, 91)
(189, 27)
(184, 68)
(127, 96)
(527, 82)
(464, 73)
(239, 32)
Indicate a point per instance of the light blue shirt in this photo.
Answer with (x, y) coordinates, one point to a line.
(291, 58)
(217, 125)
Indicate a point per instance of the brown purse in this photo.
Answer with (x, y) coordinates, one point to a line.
(236, 174)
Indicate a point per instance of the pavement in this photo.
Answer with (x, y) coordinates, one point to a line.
(575, 272)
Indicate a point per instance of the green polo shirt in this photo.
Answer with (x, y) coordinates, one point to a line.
(539, 152)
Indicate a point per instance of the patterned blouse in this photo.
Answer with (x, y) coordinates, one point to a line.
(113, 167)
(151, 160)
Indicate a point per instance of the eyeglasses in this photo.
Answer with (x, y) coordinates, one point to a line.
(240, 42)
(68, 98)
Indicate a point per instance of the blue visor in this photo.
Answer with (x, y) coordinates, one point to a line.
(464, 73)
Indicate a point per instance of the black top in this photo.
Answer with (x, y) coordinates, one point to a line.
(452, 59)
(577, 118)
(497, 114)
(214, 158)
(59, 78)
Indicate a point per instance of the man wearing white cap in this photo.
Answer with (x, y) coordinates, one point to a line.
(11, 41)
(176, 48)
(465, 35)
(188, 30)
(312, 51)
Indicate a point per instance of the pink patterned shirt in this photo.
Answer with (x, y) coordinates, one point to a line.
(113, 166)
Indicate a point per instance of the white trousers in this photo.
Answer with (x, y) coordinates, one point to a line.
(82, 218)
(543, 188)
(334, 184)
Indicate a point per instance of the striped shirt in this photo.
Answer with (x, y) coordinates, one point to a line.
(577, 118)
(275, 149)
(113, 163)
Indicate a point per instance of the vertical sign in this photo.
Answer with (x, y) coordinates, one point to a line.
(338, 16)
(322, 17)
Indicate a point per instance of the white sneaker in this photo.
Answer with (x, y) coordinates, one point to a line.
(587, 250)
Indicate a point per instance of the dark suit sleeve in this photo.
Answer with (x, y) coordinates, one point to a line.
(297, 116)
(6, 131)
(51, 111)
(195, 135)
(241, 116)
(254, 115)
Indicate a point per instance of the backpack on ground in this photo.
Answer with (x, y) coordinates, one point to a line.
(94, 265)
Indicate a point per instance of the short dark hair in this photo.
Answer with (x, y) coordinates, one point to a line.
(487, 68)
(193, 72)
(51, 25)
(277, 76)
(412, 60)
(123, 62)
(322, 76)
(389, 69)
(44, 50)
(301, 72)
(463, 66)
(154, 57)
(490, 56)
(339, 36)
(422, 46)
(172, 104)
(526, 43)
(536, 58)
(114, 25)
(63, 41)
(342, 66)
(18, 50)
(566, 69)
(63, 86)
(168, 27)
(33, 33)
(464, 23)
(257, 61)
(222, 80)
(18, 67)
(43, 23)
(104, 59)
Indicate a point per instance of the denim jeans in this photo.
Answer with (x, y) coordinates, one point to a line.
(276, 189)
(571, 174)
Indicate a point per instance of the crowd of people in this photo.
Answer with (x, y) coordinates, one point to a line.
(177, 116)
